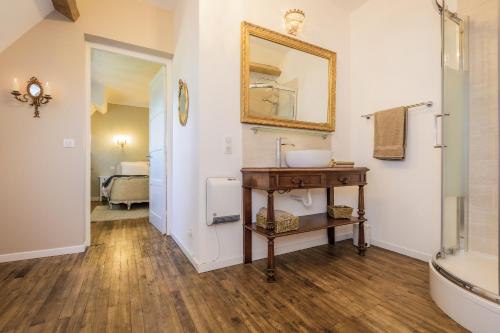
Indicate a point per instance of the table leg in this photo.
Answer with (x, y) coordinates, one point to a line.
(270, 211)
(270, 260)
(361, 217)
(270, 241)
(247, 221)
(330, 199)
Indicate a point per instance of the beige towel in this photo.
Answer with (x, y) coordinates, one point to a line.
(390, 134)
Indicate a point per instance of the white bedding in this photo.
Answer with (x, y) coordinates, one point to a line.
(133, 168)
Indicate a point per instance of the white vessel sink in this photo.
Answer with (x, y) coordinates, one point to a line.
(313, 158)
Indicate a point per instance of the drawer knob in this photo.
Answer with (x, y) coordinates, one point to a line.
(298, 181)
(344, 180)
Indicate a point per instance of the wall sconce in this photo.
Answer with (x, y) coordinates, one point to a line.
(121, 140)
(36, 94)
(294, 20)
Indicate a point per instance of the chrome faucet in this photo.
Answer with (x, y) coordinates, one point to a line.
(279, 144)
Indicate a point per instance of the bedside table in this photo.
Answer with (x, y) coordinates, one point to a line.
(102, 180)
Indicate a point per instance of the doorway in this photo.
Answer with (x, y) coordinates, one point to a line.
(129, 136)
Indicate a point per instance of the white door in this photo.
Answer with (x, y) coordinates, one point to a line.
(157, 152)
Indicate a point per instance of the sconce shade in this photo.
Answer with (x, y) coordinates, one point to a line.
(294, 20)
(15, 85)
(121, 140)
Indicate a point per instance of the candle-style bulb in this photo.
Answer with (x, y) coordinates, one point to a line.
(15, 85)
(48, 89)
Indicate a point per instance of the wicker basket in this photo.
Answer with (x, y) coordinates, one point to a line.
(340, 212)
(283, 221)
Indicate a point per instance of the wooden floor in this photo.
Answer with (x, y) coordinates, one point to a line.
(133, 279)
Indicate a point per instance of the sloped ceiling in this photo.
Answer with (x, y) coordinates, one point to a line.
(124, 80)
(349, 5)
(19, 16)
(165, 4)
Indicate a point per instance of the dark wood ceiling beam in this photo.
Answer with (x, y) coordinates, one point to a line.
(68, 8)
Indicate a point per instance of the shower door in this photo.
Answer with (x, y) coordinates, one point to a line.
(455, 137)
(469, 144)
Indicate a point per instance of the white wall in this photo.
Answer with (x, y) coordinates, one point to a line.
(388, 49)
(43, 184)
(183, 227)
(106, 154)
(395, 50)
(326, 26)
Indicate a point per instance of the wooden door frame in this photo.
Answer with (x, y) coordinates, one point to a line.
(167, 63)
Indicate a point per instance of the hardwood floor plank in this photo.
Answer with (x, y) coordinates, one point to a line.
(134, 279)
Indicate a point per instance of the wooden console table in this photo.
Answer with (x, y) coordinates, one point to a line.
(286, 179)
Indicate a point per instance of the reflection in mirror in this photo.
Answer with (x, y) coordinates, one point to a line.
(286, 83)
(34, 90)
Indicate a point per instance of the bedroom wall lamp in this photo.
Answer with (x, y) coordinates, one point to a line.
(121, 140)
(36, 94)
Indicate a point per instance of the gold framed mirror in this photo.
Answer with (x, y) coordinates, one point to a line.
(183, 98)
(286, 82)
(34, 88)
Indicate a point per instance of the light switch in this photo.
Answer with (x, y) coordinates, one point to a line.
(229, 145)
(69, 143)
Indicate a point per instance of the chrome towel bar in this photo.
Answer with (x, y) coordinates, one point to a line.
(428, 104)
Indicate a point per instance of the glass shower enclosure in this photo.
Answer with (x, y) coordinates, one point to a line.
(469, 145)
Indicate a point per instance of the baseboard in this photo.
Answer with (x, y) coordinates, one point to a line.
(213, 265)
(186, 252)
(402, 250)
(95, 199)
(41, 253)
(296, 246)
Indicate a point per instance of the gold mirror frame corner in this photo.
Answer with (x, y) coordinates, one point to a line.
(183, 93)
(248, 30)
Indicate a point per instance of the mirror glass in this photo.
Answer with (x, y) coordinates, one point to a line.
(183, 103)
(34, 90)
(286, 83)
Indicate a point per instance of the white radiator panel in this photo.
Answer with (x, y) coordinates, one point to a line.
(223, 200)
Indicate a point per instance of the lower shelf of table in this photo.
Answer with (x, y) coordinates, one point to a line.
(307, 223)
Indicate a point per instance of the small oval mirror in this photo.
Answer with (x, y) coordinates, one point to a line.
(34, 90)
(183, 103)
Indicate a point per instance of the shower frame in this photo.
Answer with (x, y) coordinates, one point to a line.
(462, 228)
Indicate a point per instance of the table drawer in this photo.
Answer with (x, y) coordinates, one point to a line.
(347, 179)
(301, 181)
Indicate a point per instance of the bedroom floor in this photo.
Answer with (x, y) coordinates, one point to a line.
(133, 279)
(101, 212)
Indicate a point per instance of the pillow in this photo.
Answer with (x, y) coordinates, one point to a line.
(140, 168)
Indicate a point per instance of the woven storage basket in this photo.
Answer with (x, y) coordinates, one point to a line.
(284, 221)
(340, 212)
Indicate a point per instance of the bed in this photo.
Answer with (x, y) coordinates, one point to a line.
(130, 184)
